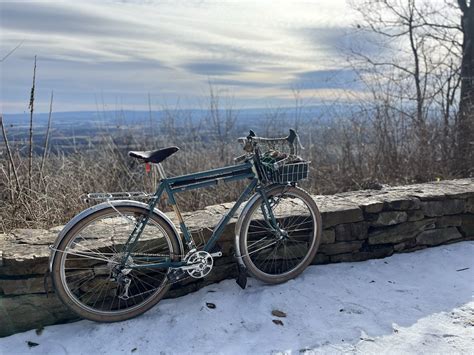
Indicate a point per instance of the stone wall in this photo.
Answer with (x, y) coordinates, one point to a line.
(357, 226)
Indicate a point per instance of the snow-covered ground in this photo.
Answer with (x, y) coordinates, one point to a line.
(419, 302)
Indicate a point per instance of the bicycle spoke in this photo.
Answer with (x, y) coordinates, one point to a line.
(280, 249)
(94, 255)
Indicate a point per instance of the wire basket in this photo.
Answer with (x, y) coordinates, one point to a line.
(282, 174)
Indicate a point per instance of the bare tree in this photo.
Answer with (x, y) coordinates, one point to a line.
(32, 101)
(221, 120)
(417, 56)
(465, 155)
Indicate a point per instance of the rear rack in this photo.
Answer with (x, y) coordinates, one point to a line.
(108, 196)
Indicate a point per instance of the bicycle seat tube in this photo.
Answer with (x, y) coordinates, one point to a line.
(176, 209)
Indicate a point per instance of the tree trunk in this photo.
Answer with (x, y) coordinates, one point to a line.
(465, 129)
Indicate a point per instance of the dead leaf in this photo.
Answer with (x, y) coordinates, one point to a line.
(278, 313)
(31, 344)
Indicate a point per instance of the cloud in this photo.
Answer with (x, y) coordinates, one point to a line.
(213, 68)
(325, 79)
(339, 41)
(242, 83)
(64, 19)
(258, 50)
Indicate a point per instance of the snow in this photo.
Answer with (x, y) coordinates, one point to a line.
(419, 302)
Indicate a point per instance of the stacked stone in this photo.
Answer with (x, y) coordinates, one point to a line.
(357, 226)
(371, 224)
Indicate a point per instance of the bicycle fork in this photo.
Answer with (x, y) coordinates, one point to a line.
(267, 212)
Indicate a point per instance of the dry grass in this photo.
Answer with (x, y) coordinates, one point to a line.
(354, 154)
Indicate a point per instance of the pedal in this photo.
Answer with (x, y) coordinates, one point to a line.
(176, 275)
(242, 277)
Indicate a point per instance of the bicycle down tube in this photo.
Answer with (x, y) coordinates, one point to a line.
(186, 183)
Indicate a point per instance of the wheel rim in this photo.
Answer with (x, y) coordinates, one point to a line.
(91, 256)
(276, 252)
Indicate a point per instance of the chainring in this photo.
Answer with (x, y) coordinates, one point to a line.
(203, 262)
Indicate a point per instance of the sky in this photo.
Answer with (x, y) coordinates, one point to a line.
(111, 55)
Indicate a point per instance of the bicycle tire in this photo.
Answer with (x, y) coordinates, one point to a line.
(302, 229)
(97, 268)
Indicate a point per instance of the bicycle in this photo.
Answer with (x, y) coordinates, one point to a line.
(117, 259)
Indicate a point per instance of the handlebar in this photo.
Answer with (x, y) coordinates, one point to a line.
(252, 137)
(290, 140)
(252, 141)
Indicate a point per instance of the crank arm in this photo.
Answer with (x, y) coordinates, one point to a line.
(188, 267)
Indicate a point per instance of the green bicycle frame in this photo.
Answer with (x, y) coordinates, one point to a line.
(186, 183)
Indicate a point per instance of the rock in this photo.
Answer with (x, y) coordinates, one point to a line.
(25, 312)
(410, 243)
(336, 211)
(352, 231)
(415, 215)
(470, 205)
(328, 236)
(440, 208)
(401, 202)
(467, 225)
(425, 192)
(448, 221)
(438, 236)
(6, 240)
(363, 255)
(415, 248)
(340, 248)
(34, 236)
(23, 286)
(400, 232)
(369, 201)
(320, 258)
(390, 218)
(56, 229)
(25, 259)
(335, 217)
(374, 207)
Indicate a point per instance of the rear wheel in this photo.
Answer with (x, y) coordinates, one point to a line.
(87, 271)
(275, 252)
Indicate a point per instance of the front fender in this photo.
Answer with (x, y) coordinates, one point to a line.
(245, 210)
(117, 203)
(238, 226)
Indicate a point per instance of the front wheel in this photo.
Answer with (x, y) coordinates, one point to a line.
(278, 246)
(88, 273)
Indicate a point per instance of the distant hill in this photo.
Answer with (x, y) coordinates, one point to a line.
(71, 130)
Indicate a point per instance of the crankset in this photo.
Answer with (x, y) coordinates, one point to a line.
(198, 265)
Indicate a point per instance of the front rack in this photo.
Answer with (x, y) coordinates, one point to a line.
(108, 196)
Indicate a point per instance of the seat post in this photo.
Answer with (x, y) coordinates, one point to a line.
(161, 171)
